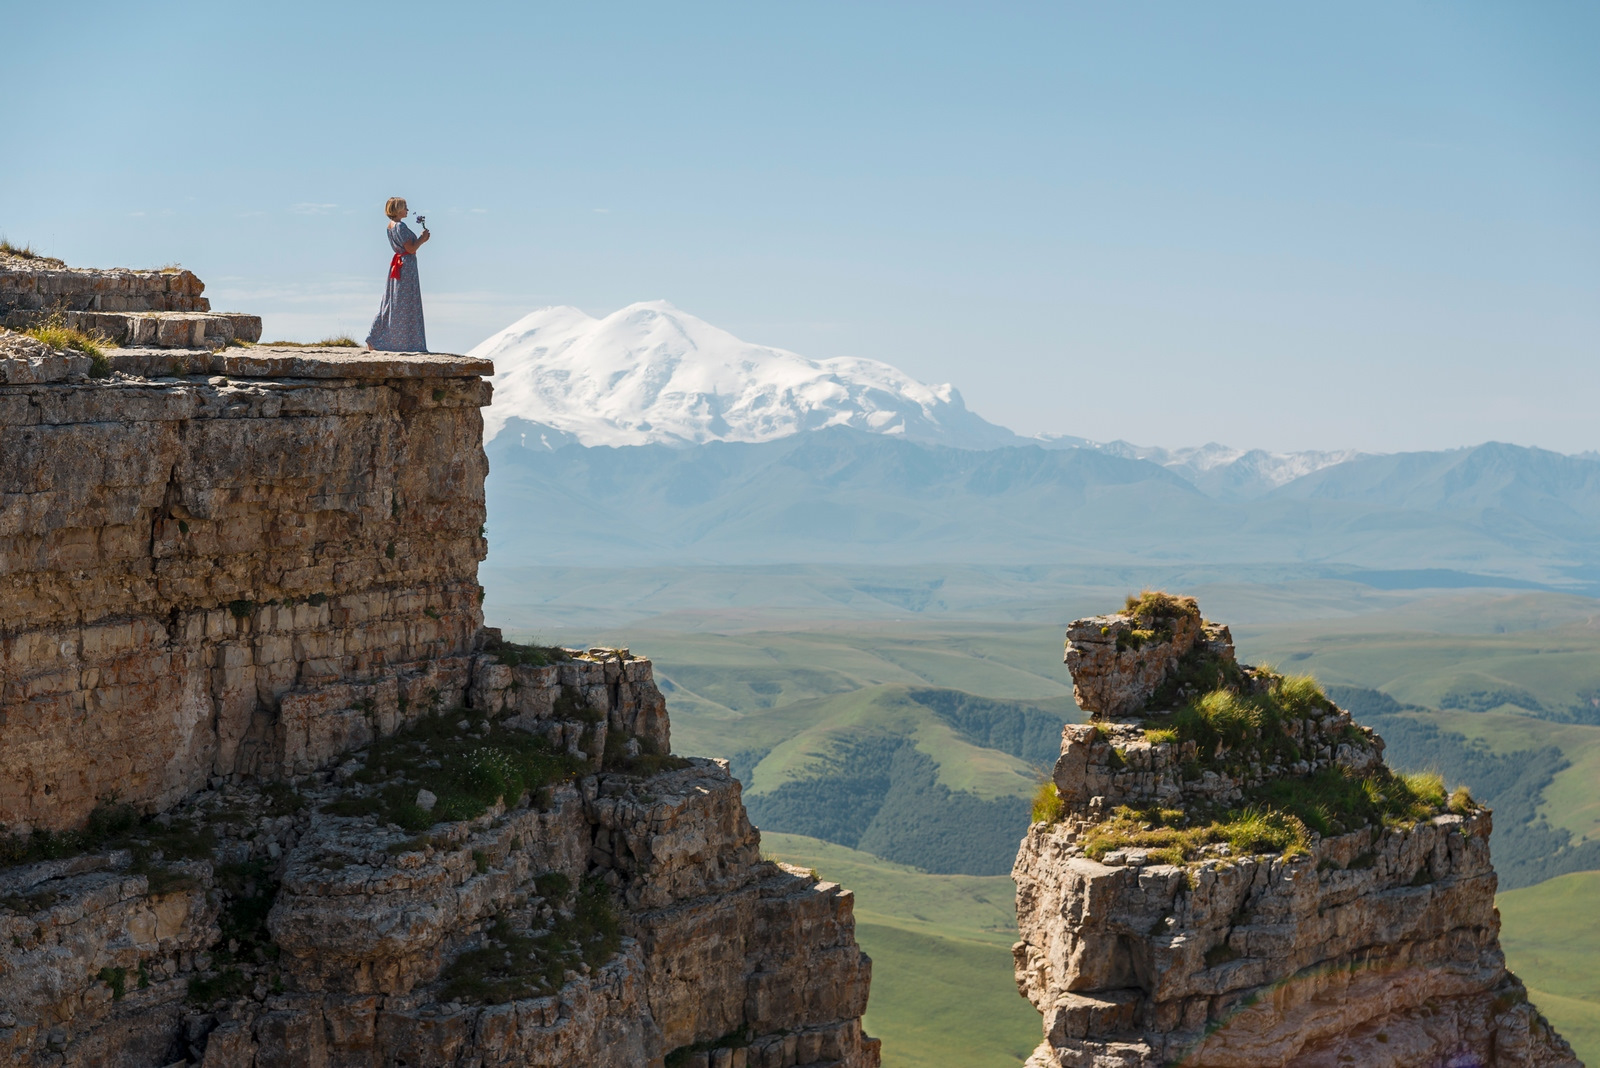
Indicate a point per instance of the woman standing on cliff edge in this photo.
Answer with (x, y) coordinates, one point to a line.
(398, 327)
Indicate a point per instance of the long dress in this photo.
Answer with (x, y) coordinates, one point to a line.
(398, 327)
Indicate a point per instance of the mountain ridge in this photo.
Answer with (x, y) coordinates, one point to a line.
(843, 495)
(652, 374)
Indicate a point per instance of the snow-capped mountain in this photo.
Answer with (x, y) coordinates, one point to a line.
(651, 374)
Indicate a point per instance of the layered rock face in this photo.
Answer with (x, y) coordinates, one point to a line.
(162, 308)
(274, 796)
(200, 571)
(1185, 908)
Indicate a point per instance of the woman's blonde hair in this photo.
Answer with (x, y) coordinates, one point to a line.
(395, 208)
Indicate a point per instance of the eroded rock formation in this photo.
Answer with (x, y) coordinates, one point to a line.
(254, 742)
(1232, 877)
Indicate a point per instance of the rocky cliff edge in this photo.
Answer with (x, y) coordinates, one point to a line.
(272, 794)
(1223, 872)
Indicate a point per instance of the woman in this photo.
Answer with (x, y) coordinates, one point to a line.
(398, 327)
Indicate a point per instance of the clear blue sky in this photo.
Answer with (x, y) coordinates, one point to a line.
(1279, 225)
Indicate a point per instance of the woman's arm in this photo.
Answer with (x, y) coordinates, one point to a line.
(412, 246)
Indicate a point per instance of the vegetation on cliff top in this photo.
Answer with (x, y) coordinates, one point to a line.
(467, 769)
(339, 341)
(1280, 816)
(1235, 717)
(1155, 609)
(55, 332)
(1262, 718)
(512, 654)
(1158, 604)
(25, 252)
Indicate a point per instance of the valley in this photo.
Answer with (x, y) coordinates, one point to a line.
(884, 745)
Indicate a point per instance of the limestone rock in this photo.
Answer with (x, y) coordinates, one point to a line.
(1377, 945)
(231, 578)
(1118, 662)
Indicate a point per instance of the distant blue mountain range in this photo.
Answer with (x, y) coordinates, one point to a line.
(843, 495)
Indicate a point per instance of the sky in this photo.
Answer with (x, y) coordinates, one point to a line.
(1285, 226)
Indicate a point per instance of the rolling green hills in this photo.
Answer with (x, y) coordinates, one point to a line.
(1551, 935)
(817, 697)
(942, 988)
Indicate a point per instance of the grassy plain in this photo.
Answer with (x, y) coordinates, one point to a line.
(1551, 935)
(942, 988)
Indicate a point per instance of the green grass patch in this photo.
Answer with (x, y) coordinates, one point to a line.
(468, 771)
(1200, 671)
(514, 655)
(1234, 717)
(1047, 804)
(153, 842)
(1280, 817)
(1158, 604)
(338, 341)
(1551, 936)
(55, 332)
(945, 1001)
(648, 762)
(1337, 801)
(514, 962)
(1158, 610)
(1171, 836)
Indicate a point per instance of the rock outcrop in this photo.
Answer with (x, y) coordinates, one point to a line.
(1232, 877)
(273, 795)
(162, 307)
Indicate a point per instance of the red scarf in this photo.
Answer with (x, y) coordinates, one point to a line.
(394, 265)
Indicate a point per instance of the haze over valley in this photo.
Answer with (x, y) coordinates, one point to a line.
(854, 588)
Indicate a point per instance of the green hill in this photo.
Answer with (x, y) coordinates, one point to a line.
(942, 988)
(796, 696)
(1551, 935)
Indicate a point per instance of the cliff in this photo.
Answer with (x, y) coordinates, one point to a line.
(1225, 873)
(272, 794)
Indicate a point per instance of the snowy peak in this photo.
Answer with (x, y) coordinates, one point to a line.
(651, 374)
(1219, 470)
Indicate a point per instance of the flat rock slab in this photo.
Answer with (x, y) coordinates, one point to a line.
(269, 361)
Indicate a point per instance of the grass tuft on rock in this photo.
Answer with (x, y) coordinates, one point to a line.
(26, 252)
(513, 655)
(1172, 837)
(55, 332)
(647, 763)
(1158, 604)
(1338, 801)
(152, 842)
(1230, 717)
(1047, 804)
(468, 771)
(338, 341)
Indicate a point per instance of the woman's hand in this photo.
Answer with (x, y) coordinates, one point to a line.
(412, 246)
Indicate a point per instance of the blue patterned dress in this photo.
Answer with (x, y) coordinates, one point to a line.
(398, 327)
